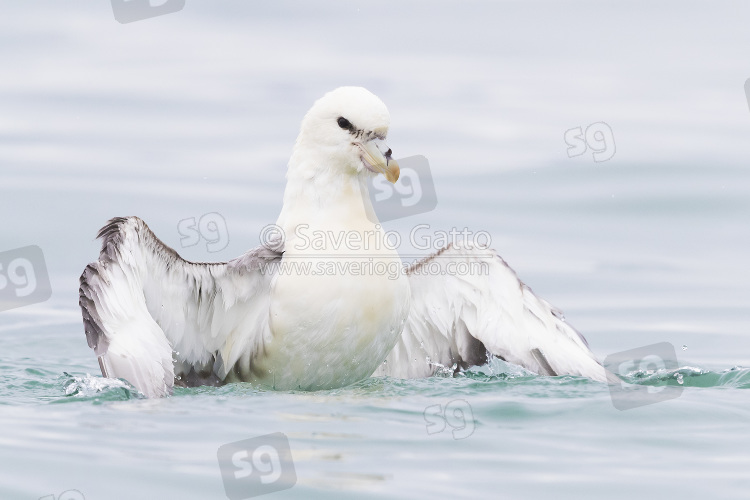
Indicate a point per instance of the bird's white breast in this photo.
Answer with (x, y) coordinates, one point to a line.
(338, 303)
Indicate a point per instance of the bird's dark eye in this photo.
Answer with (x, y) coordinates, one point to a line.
(344, 123)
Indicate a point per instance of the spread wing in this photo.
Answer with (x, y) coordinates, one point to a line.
(156, 319)
(468, 303)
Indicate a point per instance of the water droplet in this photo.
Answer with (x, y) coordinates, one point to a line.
(385, 361)
(684, 347)
(679, 378)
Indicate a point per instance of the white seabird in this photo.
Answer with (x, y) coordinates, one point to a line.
(156, 320)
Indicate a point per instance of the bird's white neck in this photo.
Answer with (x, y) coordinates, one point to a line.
(319, 192)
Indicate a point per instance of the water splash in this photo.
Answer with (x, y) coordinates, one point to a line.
(442, 370)
(89, 386)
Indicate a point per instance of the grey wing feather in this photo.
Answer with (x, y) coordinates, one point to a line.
(151, 316)
(458, 318)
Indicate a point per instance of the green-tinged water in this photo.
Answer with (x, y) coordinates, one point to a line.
(520, 436)
(194, 114)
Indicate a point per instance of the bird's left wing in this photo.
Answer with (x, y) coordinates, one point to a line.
(467, 303)
(156, 319)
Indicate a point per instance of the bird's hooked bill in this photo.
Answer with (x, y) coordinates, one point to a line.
(376, 156)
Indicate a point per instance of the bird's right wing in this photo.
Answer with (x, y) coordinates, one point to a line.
(152, 317)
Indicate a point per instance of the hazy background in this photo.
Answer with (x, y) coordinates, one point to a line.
(196, 112)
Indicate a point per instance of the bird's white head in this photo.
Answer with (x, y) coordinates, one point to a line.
(348, 127)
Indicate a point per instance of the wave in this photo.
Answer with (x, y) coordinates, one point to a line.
(736, 377)
(98, 389)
